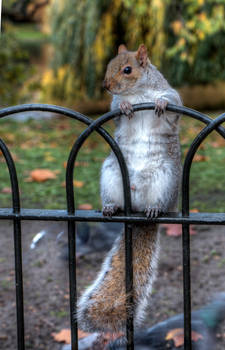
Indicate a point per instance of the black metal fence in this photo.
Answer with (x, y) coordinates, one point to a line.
(16, 214)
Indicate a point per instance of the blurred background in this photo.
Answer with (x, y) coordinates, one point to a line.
(56, 52)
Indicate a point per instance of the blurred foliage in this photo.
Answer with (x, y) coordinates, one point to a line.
(15, 70)
(29, 38)
(196, 41)
(22, 10)
(185, 39)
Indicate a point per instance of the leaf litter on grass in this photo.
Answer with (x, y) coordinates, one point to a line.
(46, 144)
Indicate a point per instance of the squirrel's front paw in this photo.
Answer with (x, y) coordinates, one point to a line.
(109, 209)
(160, 106)
(127, 109)
(153, 212)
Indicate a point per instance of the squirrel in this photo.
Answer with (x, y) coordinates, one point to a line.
(149, 141)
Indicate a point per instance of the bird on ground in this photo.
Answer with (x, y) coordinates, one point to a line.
(169, 334)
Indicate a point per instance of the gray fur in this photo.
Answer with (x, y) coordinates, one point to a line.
(151, 148)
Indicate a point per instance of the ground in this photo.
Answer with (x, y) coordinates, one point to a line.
(45, 144)
(46, 290)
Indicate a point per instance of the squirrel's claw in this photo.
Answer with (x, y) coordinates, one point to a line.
(152, 212)
(109, 209)
(127, 109)
(160, 106)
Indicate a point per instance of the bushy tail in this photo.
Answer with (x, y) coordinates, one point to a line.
(102, 307)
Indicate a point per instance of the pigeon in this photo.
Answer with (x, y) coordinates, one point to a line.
(94, 238)
(169, 333)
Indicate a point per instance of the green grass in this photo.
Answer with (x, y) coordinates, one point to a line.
(47, 143)
(207, 180)
(27, 33)
(30, 38)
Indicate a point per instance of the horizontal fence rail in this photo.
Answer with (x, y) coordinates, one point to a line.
(71, 215)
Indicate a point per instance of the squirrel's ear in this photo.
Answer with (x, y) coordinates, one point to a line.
(122, 48)
(142, 55)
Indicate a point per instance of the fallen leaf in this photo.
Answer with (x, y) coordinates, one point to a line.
(41, 175)
(195, 210)
(175, 230)
(64, 336)
(82, 334)
(85, 206)
(102, 340)
(177, 335)
(77, 163)
(53, 145)
(78, 184)
(217, 144)
(49, 157)
(3, 337)
(6, 190)
(200, 158)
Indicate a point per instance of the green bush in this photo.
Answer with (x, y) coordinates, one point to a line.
(15, 69)
(185, 40)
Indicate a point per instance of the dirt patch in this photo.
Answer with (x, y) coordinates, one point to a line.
(46, 289)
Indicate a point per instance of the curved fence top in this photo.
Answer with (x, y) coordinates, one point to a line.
(71, 218)
(212, 124)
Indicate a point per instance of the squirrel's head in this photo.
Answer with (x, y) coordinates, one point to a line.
(126, 70)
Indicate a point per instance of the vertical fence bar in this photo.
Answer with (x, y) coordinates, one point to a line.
(72, 254)
(186, 234)
(215, 124)
(129, 286)
(17, 245)
(127, 206)
(73, 286)
(186, 287)
(19, 284)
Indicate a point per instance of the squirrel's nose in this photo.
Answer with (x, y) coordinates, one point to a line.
(106, 84)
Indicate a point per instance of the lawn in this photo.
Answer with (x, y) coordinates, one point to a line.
(46, 144)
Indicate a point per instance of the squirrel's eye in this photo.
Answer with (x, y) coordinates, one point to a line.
(127, 70)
